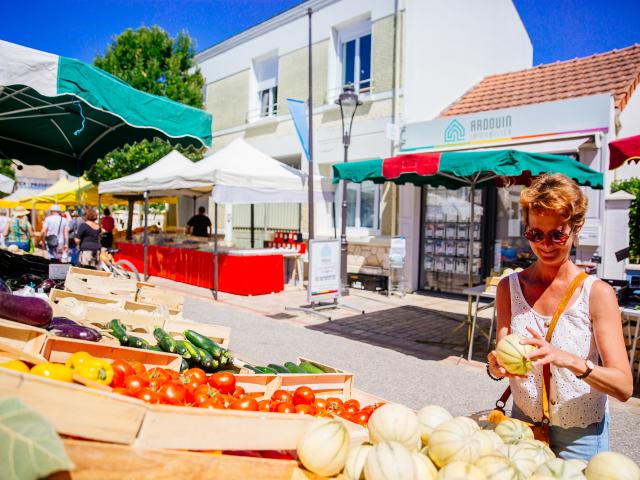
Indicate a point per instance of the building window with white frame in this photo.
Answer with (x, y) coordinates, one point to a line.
(265, 96)
(363, 208)
(355, 57)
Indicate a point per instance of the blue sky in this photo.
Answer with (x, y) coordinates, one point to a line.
(559, 29)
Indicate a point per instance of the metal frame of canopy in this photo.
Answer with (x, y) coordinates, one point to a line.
(413, 170)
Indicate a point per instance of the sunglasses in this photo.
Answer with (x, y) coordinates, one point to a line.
(535, 235)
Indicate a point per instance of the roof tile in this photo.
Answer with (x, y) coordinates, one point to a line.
(617, 72)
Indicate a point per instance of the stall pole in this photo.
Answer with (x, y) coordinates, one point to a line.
(194, 204)
(472, 199)
(146, 234)
(252, 226)
(310, 146)
(215, 251)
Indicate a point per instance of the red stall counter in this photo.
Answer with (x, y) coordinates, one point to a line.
(240, 273)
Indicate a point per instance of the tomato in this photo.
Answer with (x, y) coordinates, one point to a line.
(137, 366)
(196, 374)
(149, 396)
(173, 393)
(369, 409)
(247, 404)
(285, 407)
(339, 410)
(238, 392)
(305, 409)
(192, 383)
(213, 402)
(352, 403)
(204, 393)
(322, 412)
(333, 403)
(361, 418)
(263, 405)
(225, 382)
(123, 391)
(135, 383)
(282, 396)
(303, 396)
(273, 406)
(320, 403)
(121, 370)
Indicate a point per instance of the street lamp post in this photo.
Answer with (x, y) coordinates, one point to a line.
(348, 101)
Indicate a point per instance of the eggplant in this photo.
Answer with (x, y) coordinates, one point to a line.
(58, 321)
(79, 332)
(46, 285)
(28, 310)
(4, 288)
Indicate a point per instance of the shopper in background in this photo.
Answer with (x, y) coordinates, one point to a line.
(74, 224)
(88, 239)
(108, 224)
(199, 225)
(3, 222)
(55, 234)
(17, 230)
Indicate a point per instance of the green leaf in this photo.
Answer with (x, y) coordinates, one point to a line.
(30, 448)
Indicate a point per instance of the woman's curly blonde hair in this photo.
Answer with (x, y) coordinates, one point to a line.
(555, 193)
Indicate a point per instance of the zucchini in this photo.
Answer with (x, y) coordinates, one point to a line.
(215, 365)
(117, 330)
(277, 368)
(155, 348)
(137, 342)
(191, 351)
(182, 350)
(309, 368)
(252, 368)
(267, 370)
(184, 365)
(206, 360)
(293, 368)
(165, 341)
(203, 342)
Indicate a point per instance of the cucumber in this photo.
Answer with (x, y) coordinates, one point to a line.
(203, 342)
(309, 368)
(137, 342)
(268, 370)
(293, 368)
(165, 341)
(191, 351)
(182, 350)
(184, 365)
(252, 368)
(277, 368)
(155, 348)
(117, 330)
(206, 360)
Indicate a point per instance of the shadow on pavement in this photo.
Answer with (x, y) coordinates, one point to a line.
(421, 332)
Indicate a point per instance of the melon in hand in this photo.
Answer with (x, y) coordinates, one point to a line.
(511, 355)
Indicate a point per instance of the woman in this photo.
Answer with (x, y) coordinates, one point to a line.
(88, 239)
(18, 231)
(587, 355)
(107, 224)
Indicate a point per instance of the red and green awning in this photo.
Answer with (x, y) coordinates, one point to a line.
(458, 169)
(624, 150)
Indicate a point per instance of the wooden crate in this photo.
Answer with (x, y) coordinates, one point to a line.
(88, 273)
(114, 462)
(323, 385)
(108, 287)
(160, 296)
(58, 349)
(24, 337)
(133, 306)
(55, 295)
(77, 410)
(218, 333)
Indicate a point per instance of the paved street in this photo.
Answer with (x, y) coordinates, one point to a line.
(379, 348)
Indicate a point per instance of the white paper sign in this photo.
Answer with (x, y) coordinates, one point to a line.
(58, 271)
(397, 251)
(324, 270)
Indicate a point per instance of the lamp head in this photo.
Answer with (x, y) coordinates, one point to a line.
(348, 101)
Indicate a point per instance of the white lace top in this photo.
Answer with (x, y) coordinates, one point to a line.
(573, 402)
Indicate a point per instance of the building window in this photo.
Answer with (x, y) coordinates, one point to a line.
(363, 207)
(355, 57)
(264, 99)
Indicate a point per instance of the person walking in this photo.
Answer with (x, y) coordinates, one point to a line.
(55, 234)
(87, 239)
(17, 231)
(199, 225)
(584, 360)
(74, 224)
(107, 224)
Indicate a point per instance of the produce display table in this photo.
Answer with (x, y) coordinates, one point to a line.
(237, 268)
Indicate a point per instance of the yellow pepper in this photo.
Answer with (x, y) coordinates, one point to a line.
(97, 370)
(56, 371)
(77, 359)
(16, 365)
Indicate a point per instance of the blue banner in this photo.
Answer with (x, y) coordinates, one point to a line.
(298, 111)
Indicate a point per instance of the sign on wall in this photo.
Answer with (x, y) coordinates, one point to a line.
(584, 115)
(324, 271)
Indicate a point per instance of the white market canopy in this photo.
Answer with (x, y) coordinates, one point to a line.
(241, 174)
(146, 179)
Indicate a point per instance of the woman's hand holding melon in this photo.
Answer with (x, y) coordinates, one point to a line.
(497, 370)
(546, 353)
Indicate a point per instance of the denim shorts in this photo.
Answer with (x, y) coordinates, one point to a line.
(21, 245)
(576, 442)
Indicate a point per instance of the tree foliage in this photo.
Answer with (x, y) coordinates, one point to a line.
(150, 60)
(6, 168)
(632, 186)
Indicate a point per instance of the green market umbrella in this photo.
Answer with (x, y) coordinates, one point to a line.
(465, 169)
(65, 114)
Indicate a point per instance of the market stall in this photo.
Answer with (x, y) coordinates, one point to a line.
(236, 174)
